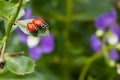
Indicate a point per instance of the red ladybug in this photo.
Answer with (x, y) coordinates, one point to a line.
(36, 25)
(32, 27)
(40, 22)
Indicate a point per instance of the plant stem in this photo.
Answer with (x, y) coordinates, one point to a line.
(15, 53)
(12, 20)
(68, 22)
(69, 8)
(3, 50)
(93, 58)
(88, 64)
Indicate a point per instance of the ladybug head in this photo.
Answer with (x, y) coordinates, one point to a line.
(44, 25)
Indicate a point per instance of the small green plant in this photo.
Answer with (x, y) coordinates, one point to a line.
(11, 11)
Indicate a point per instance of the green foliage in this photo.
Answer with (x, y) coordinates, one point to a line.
(21, 13)
(20, 65)
(89, 11)
(7, 9)
(80, 61)
(13, 1)
(97, 68)
(83, 1)
(85, 10)
(33, 76)
(10, 12)
(72, 23)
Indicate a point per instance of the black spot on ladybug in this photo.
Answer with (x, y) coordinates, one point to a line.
(35, 33)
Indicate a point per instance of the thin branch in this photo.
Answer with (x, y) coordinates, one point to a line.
(15, 53)
(3, 50)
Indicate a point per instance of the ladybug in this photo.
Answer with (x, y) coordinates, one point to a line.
(32, 27)
(40, 22)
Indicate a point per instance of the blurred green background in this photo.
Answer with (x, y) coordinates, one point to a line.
(72, 24)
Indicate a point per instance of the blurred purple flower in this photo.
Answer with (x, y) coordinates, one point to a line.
(35, 52)
(107, 21)
(114, 54)
(23, 35)
(45, 44)
(37, 46)
(28, 13)
(96, 44)
(104, 22)
(116, 30)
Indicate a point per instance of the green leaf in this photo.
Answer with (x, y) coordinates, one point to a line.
(20, 65)
(21, 13)
(7, 9)
(33, 76)
(13, 1)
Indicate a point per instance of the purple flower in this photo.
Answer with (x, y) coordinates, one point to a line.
(47, 43)
(96, 44)
(37, 46)
(35, 52)
(106, 20)
(114, 54)
(23, 35)
(28, 13)
(116, 30)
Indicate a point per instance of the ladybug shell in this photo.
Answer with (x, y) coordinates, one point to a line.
(31, 26)
(38, 21)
